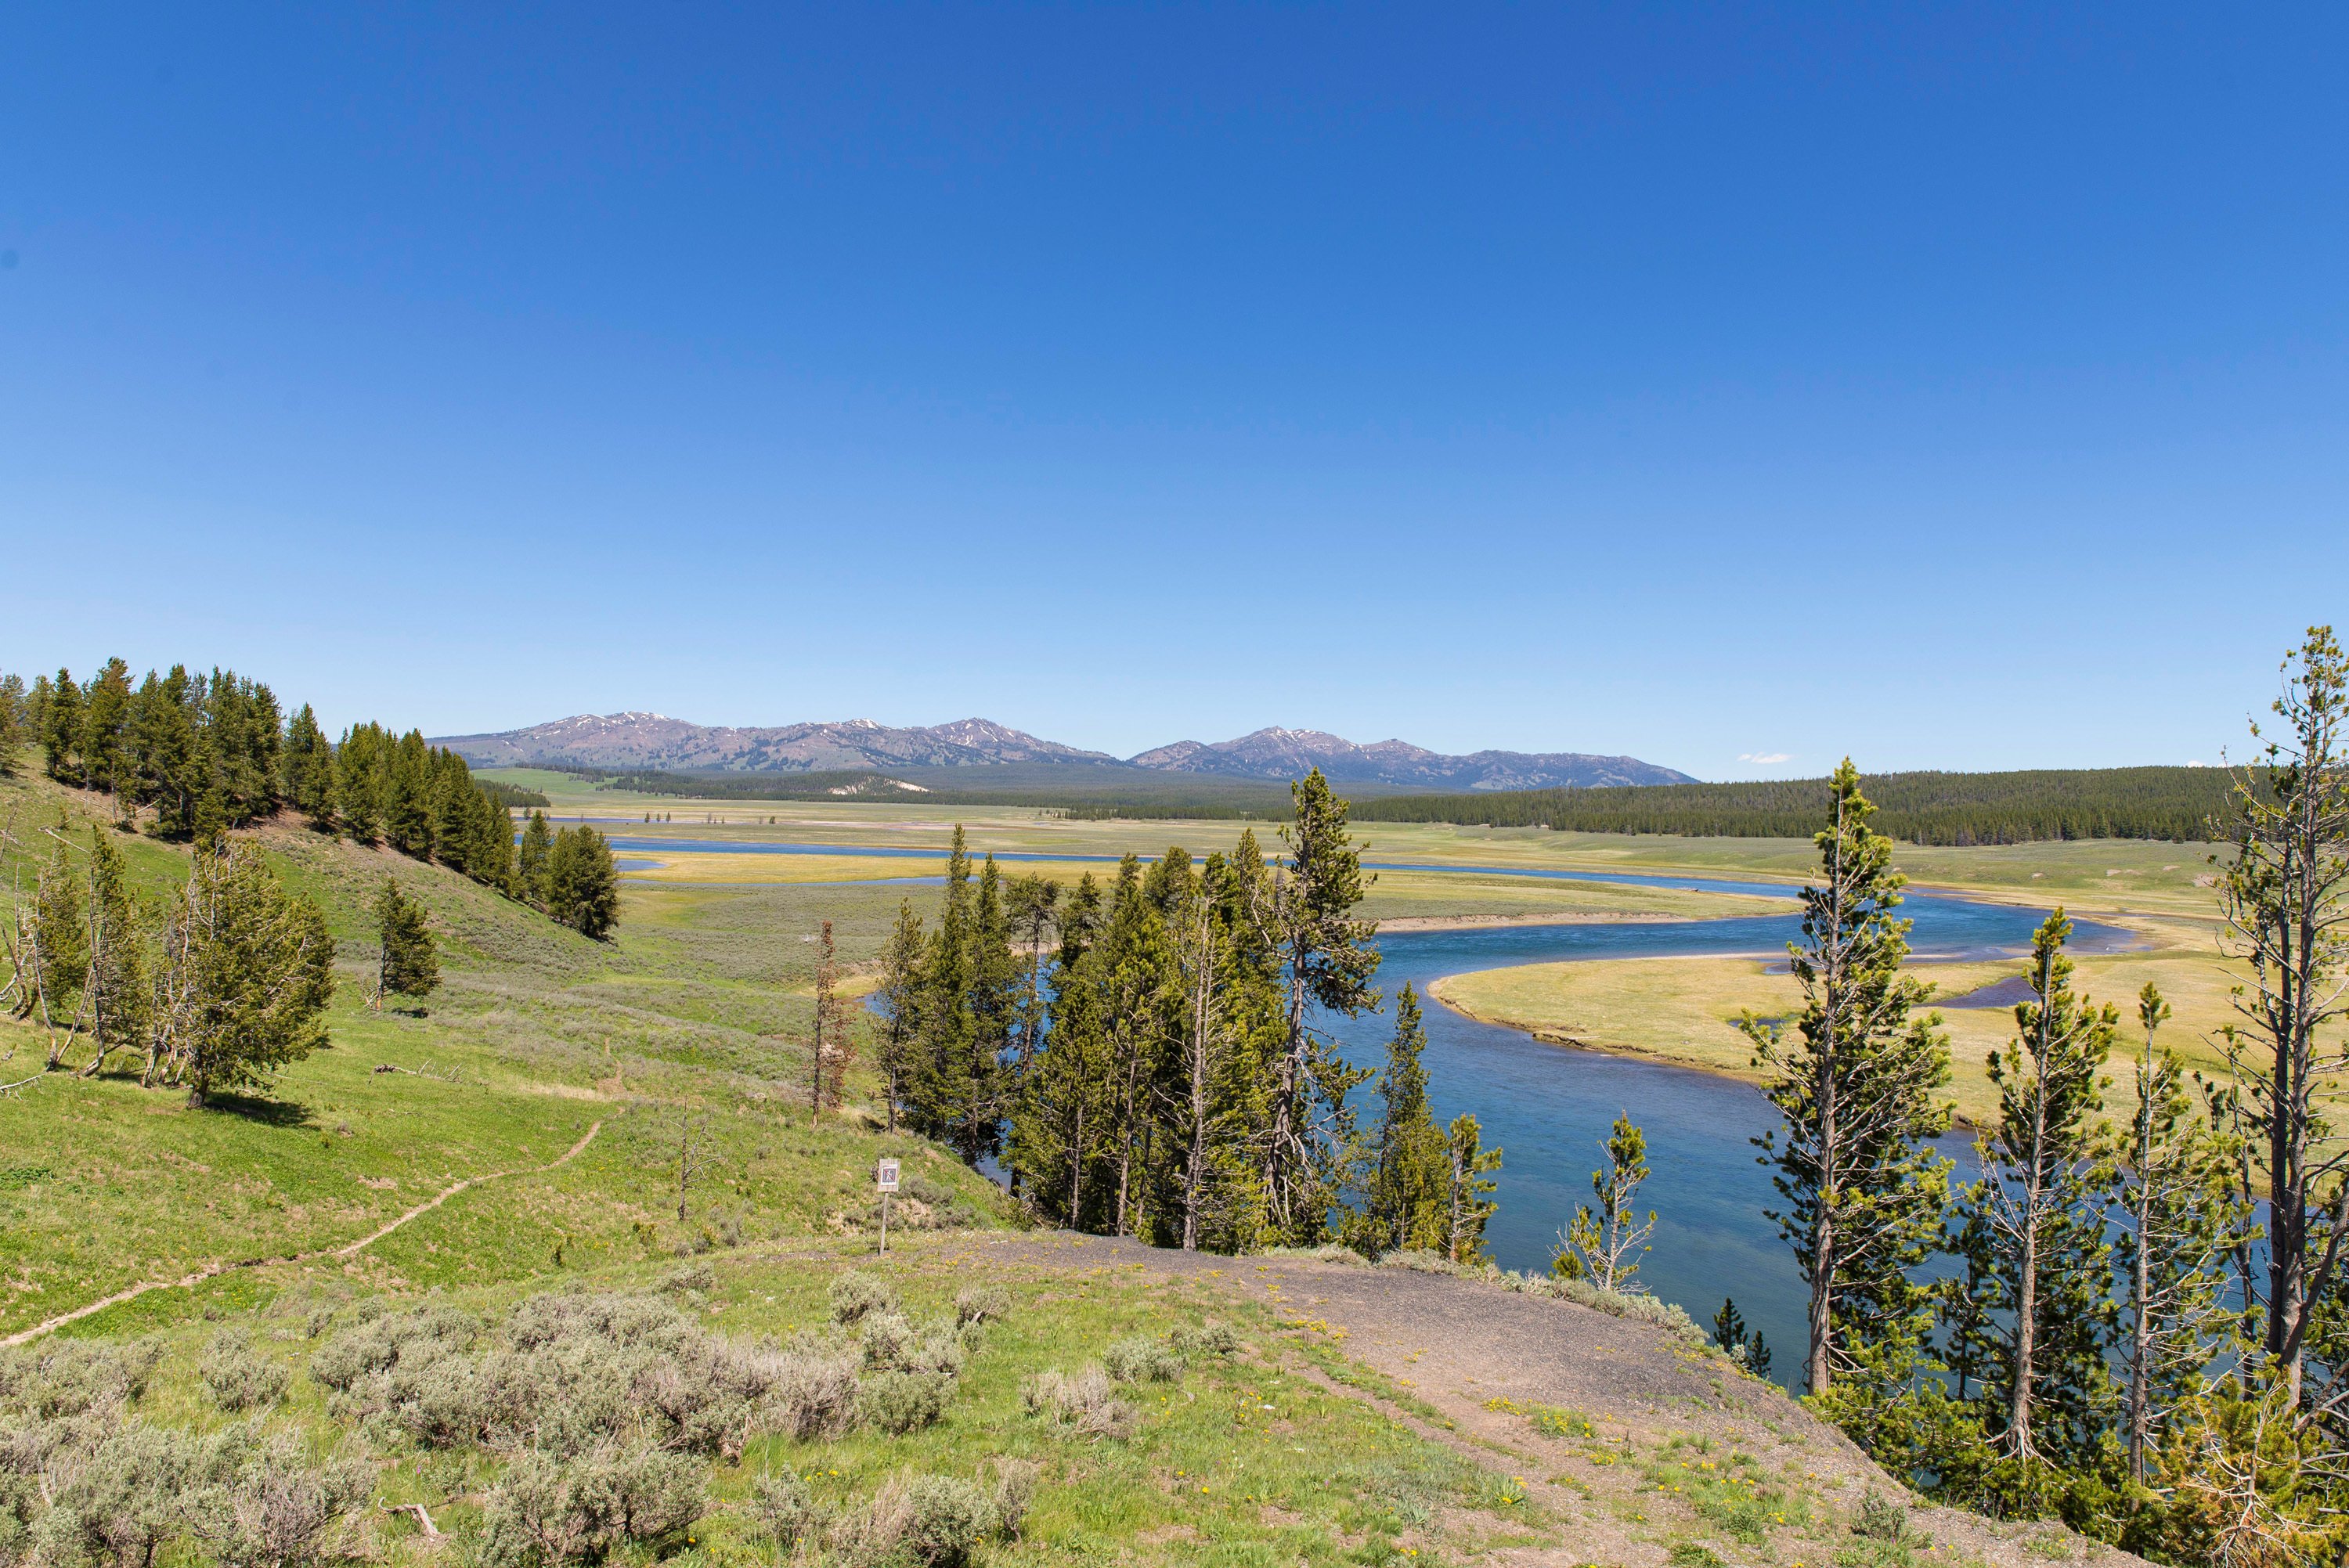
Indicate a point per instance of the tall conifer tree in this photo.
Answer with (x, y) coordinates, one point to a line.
(2045, 1166)
(1855, 1078)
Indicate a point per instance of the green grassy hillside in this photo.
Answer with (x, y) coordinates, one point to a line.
(536, 1037)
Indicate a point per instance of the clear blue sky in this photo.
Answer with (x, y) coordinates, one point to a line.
(1954, 385)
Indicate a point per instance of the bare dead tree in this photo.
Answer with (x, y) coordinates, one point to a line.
(695, 1156)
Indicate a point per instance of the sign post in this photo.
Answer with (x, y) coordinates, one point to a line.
(886, 1177)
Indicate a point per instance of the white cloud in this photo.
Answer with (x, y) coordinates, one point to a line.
(1764, 759)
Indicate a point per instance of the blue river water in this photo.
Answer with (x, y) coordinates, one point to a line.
(1549, 1107)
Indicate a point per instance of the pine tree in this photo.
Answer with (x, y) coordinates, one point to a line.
(406, 962)
(1328, 959)
(309, 769)
(2285, 900)
(2045, 1167)
(61, 730)
(583, 883)
(247, 971)
(1741, 1345)
(104, 712)
(1468, 1186)
(2182, 1217)
(830, 1033)
(900, 994)
(1408, 1199)
(1600, 1245)
(15, 716)
(115, 992)
(530, 859)
(359, 781)
(1855, 1082)
(1209, 1096)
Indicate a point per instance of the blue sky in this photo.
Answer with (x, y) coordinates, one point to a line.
(1951, 385)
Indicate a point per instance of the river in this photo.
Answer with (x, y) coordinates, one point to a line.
(1549, 1107)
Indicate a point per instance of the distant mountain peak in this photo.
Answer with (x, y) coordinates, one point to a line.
(656, 741)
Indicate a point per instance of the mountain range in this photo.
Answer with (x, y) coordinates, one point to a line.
(624, 741)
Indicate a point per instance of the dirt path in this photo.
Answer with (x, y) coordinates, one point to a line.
(1633, 1410)
(133, 1293)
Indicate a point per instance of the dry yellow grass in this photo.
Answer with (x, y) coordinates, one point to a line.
(1683, 1010)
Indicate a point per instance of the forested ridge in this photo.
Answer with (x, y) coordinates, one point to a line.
(2176, 804)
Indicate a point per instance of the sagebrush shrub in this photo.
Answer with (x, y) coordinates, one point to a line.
(1196, 1343)
(237, 1378)
(781, 1506)
(815, 1387)
(1139, 1358)
(856, 1295)
(935, 1521)
(1085, 1403)
(901, 1402)
(981, 1303)
(689, 1279)
(547, 1512)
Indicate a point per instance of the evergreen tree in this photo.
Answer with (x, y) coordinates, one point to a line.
(1030, 904)
(582, 884)
(309, 769)
(900, 995)
(530, 859)
(358, 771)
(407, 962)
(1407, 1206)
(1855, 1082)
(2285, 899)
(61, 730)
(1307, 916)
(15, 719)
(1468, 1186)
(106, 712)
(1741, 1345)
(1142, 1006)
(168, 756)
(1600, 1245)
(57, 936)
(2045, 1167)
(1210, 1097)
(2182, 1217)
(115, 992)
(247, 971)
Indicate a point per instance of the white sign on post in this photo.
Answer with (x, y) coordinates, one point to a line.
(885, 1175)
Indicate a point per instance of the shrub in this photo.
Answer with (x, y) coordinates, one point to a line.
(781, 1506)
(814, 1392)
(856, 1295)
(1086, 1403)
(236, 1377)
(1140, 1359)
(259, 1502)
(125, 1503)
(1881, 1517)
(546, 1512)
(75, 1377)
(981, 1303)
(937, 1521)
(901, 1402)
(689, 1279)
(1015, 1488)
(893, 1345)
(1213, 1339)
(384, 1343)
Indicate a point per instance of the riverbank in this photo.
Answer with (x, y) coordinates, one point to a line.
(1683, 1011)
(1398, 924)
